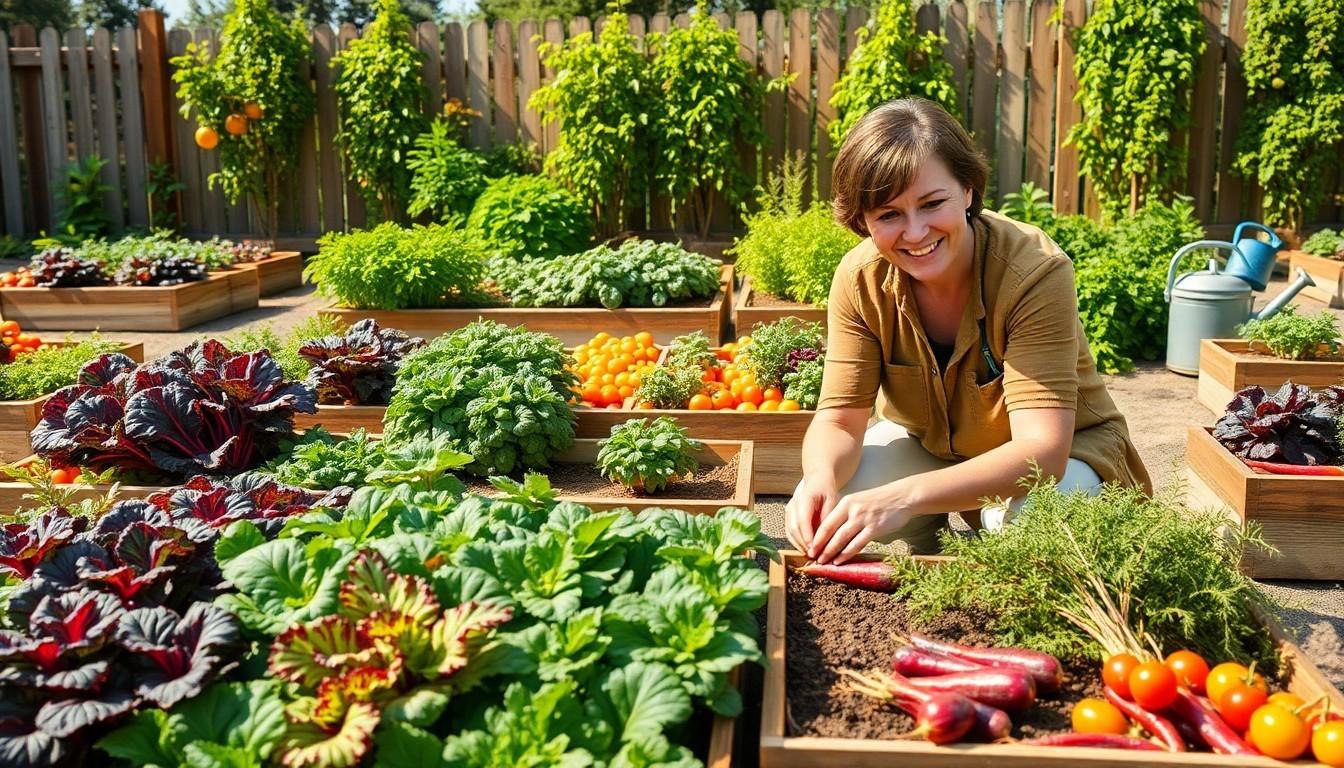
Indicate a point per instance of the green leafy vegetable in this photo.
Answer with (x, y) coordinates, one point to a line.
(389, 267)
(804, 384)
(44, 371)
(530, 217)
(646, 455)
(771, 343)
(1296, 337)
(1326, 243)
(640, 273)
(447, 177)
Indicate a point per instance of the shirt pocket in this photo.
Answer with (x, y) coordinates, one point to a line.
(991, 426)
(905, 390)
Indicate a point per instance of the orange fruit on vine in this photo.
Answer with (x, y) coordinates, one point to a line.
(253, 110)
(235, 124)
(207, 137)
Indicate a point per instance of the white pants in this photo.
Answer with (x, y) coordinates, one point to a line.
(890, 453)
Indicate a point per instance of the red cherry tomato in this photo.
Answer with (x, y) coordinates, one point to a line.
(1115, 672)
(1190, 669)
(1238, 703)
(1152, 685)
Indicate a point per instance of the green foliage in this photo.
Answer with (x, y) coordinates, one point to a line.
(12, 247)
(390, 267)
(1328, 244)
(669, 386)
(161, 186)
(604, 96)
(262, 60)
(893, 61)
(44, 371)
(285, 350)
(446, 176)
(1136, 63)
(382, 97)
(1178, 566)
(640, 273)
(710, 102)
(1293, 336)
(768, 354)
(645, 455)
(82, 215)
(114, 255)
(804, 384)
(1294, 65)
(319, 460)
(516, 158)
(530, 217)
(1030, 205)
(229, 724)
(501, 394)
(691, 350)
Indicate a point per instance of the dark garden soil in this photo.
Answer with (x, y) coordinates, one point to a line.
(759, 298)
(709, 482)
(832, 627)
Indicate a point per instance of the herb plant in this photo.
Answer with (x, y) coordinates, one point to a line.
(691, 350)
(82, 214)
(1136, 63)
(44, 371)
(359, 366)
(1291, 426)
(770, 354)
(670, 386)
(1293, 336)
(319, 460)
(893, 60)
(645, 455)
(530, 217)
(1029, 205)
(639, 273)
(804, 384)
(378, 82)
(257, 80)
(1327, 243)
(500, 393)
(390, 268)
(446, 176)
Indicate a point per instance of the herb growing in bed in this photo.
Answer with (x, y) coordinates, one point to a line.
(390, 267)
(1328, 244)
(1295, 337)
(773, 348)
(531, 217)
(645, 456)
(44, 371)
(639, 273)
(285, 349)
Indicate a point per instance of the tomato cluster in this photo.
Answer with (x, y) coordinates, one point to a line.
(731, 386)
(14, 342)
(609, 367)
(1280, 725)
(19, 278)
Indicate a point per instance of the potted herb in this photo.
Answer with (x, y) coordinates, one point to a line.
(1288, 346)
(1322, 256)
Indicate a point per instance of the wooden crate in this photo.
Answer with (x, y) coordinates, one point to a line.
(1302, 516)
(283, 271)
(157, 308)
(781, 751)
(573, 325)
(1328, 274)
(714, 453)
(18, 417)
(1222, 372)
(746, 316)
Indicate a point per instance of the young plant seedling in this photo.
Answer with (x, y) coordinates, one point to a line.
(645, 456)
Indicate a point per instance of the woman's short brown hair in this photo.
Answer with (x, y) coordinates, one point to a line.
(885, 149)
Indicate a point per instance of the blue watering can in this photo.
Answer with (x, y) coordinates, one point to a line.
(1253, 259)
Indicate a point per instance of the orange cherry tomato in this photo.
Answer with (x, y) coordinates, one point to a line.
(645, 406)
(1327, 744)
(723, 399)
(773, 394)
(1190, 668)
(1115, 672)
(769, 405)
(63, 476)
(1098, 716)
(27, 281)
(1152, 686)
(745, 406)
(1289, 701)
(1239, 703)
(9, 328)
(1279, 733)
(610, 395)
(790, 405)
(701, 403)
(753, 394)
(1228, 674)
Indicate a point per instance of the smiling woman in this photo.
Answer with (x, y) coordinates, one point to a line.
(967, 322)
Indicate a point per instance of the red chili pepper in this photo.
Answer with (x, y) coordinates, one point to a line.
(1295, 469)
(1155, 724)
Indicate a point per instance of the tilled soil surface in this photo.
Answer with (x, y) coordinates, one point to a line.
(709, 482)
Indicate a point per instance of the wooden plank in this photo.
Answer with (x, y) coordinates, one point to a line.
(957, 49)
(660, 207)
(1013, 97)
(427, 40)
(81, 97)
(855, 17)
(105, 91)
(478, 81)
(529, 80)
(132, 129)
(1204, 112)
(984, 104)
(37, 215)
(307, 182)
(723, 217)
(212, 198)
(329, 167)
(455, 62)
(637, 203)
(1231, 187)
(1234, 364)
(828, 71)
(926, 19)
(10, 191)
(1040, 95)
(355, 213)
(772, 62)
(800, 90)
(152, 44)
(1067, 111)
(156, 308)
(554, 32)
(506, 90)
(187, 153)
(637, 27)
(54, 127)
(579, 25)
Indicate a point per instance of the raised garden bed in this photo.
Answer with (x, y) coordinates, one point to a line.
(281, 271)
(339, 419)
(813, 628)
(18, 417)
(1302, 516)
(1328, 274)
(1228, 365)
(573, 325)
(752, 307)
(142, 308)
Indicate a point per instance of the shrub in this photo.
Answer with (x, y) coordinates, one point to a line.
(1327, 244)
(390, 267)
(892, 61)
(640, 273)
(531, 217)
(378, 82)
(644, 455)
(501, 394)
(1293, 336)
(446, 176)
(259, 77)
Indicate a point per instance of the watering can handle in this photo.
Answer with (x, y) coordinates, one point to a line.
(1183, 250)
(1274, 241)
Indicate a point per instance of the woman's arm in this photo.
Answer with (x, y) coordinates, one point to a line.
(831, 451)
(1043, 435)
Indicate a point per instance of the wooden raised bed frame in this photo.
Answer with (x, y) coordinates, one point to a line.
(779, 750)
(1222, 372)
(1328, 274)
(281, 271)
(573, 325)
(745, 316)
(1302, 516)
(150, 308)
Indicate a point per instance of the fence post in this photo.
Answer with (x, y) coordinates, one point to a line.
(152, 42)
(37, 215)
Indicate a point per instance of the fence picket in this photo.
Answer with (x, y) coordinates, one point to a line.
(506, 95)
(132, 129)
(773, 64)
(1204, 111)
(329, 160)
(53, 119)
(106, 114)
(855, 18)
(478, 81)
(356, 213)
(554, 32)
(427, 40)
(828, 70)
(1040, 101)
(984, 105)
(81, 101)
(800, 89)
(529, 80)
(957, 49)
(1231, 187)
(455, 62)
(28, 82)
(1067, 111)
(1012, 97)
(186, 157)
(10, 191)
(926, 18)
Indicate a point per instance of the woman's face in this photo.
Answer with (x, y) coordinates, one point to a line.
(923, 230)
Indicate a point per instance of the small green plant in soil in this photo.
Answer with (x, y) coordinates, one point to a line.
(390, 267)
(691, 350)
(46, 370)
(670, 386)
(1296, 337)
(530, 217)
(645, 455)
(639, 273)
(804, 384)
(1328, 244)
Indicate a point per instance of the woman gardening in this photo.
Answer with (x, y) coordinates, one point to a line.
(967, 322)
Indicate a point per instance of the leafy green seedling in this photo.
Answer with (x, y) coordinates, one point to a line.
(644, 456)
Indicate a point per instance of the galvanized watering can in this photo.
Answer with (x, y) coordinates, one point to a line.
(1253, 259)
(1210, 305)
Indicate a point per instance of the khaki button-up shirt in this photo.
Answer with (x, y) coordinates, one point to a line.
(1026, 302)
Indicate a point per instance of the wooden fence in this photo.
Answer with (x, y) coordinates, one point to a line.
(66, 97)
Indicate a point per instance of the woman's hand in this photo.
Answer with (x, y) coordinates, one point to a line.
(857, 519)
(812, 500)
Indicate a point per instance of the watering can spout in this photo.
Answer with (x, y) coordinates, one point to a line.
(1272, 308)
